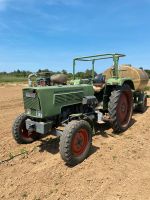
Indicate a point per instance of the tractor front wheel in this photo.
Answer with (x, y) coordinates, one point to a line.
(120, 108)
(20, 133)
(76, 141)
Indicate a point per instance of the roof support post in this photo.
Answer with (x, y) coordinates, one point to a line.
(116, 70)
(93, 71)
(74, 65)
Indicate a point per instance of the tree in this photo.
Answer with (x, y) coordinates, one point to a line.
(148, 72)
(64, 71)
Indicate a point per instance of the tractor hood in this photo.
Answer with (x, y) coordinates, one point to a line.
(44, 102)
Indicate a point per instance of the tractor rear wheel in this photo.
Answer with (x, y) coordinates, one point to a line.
(20, 133)
(76, 141)
(143, 105)
(120, 108)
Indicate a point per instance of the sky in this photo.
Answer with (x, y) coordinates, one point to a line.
(50, 33)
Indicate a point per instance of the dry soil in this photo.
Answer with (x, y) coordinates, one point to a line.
(118, 166)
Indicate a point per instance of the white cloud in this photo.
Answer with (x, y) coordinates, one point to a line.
(64, 2)
(19, 4)
(3, 4)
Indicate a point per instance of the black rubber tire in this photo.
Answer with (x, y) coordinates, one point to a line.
(143, 106)
(18, 128)
(115, 108)
(66, 140)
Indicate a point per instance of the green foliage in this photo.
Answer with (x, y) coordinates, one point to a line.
(148, 72)
(21, 76)
(24, 151)
(86, 74)
(11, 156)
(12, 79)
(147, 88)
(15, 76)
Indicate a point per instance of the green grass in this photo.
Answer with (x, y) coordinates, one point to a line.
(11, 79)
(147, 88)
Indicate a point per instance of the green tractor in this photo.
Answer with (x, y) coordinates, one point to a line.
(51, 103)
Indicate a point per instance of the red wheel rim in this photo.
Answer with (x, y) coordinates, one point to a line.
(124, 108)
(79, 142)
(25, 133)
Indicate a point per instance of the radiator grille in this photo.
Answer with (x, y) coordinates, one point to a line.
(31, 103)
(70, 98)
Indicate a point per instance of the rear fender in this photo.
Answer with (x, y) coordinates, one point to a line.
(114, 83)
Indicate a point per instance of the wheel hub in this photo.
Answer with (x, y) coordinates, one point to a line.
(26, 133)
(79, 142)
(123, 108)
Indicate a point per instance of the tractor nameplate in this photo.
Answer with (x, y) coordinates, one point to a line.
(30, 94)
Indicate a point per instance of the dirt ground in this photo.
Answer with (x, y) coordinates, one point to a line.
(118, 166)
